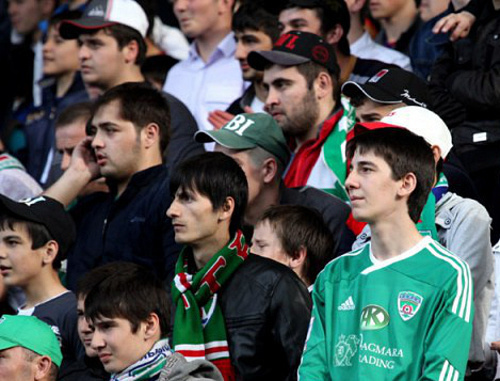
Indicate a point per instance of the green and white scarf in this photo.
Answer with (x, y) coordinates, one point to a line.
(427, 224)
(10, 162)
(147, 368)
(199, 329)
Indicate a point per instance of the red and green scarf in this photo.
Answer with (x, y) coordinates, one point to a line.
(199, 329)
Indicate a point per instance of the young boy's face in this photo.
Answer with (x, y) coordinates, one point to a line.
(19, 263)
(116, 345)
(266, 243)
(371, 188)
(85, 330)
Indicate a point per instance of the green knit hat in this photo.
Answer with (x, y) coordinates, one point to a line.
(31, 333)
(247, 131)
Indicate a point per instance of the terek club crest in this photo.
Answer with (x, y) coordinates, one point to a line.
(409, 303)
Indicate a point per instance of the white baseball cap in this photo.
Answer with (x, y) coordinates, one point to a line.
(103, 13)
(424, 123)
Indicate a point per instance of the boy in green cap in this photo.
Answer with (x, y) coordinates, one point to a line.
(29, 350)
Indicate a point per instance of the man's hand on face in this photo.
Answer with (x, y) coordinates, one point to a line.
(219, 118)
(83, 159)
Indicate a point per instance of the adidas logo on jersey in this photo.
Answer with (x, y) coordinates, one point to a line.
(348, 305)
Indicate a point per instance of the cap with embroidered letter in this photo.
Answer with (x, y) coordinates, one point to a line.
(103, 13)
(31, 333)
(246, 131)
(295, 48)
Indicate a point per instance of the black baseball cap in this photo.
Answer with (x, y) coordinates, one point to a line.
(391, 86)
(47, 212)
(295, 48)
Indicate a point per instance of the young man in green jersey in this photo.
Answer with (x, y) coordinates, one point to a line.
(399, 308)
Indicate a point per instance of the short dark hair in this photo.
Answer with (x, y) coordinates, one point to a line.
(73, 113)
(131, 292)
(330, 13)
(156, 68)
(91, 279)
(65, 15)
(310, 71)
(297, 227)
(124, 35)
(358, 99)
(253, 17)
(405, 153)
(140, 104)
(37, 232)
(216, 176)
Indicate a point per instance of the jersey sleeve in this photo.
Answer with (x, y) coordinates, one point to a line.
(314, 366)
(447, 343)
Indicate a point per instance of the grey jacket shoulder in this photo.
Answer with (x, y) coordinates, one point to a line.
(464, 228)
(178, 369)
(183, 128)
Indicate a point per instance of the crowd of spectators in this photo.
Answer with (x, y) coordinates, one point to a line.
(249, 190)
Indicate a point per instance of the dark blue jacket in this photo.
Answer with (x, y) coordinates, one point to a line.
(132, 228)
(40, 123)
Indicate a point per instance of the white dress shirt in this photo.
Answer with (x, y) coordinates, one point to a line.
(205, 87)
(365, 47)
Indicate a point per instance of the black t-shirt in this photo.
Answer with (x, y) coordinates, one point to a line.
(60, 313)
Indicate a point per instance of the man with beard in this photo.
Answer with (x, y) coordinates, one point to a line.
(302, 76)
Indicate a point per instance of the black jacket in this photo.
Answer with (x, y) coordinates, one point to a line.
(133, 228)
(267, 309)
(465, 85)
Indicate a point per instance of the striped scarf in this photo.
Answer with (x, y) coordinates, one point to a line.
(199, 329)
(149, 367)
(329, 146)
(10, 162)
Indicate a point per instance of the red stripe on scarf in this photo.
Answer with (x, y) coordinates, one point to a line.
(185, 301)
(226, 369)
(242, 250)
(183, 280)
(192, 353)
(308, 154)
(217, 349)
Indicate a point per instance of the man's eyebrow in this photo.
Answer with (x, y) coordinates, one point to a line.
(366, 162)
(105, 124)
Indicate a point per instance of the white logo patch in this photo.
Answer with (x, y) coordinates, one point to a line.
(348, 305)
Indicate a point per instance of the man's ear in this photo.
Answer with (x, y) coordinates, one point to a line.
(151, 327)
(50, 250)
(227, 209)
(323, 85)
(408, 185)
(131, 51)
(334, 35)
(151, 135)
(42, 367)
(436, 152)
(269, 170)
(297, 261)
